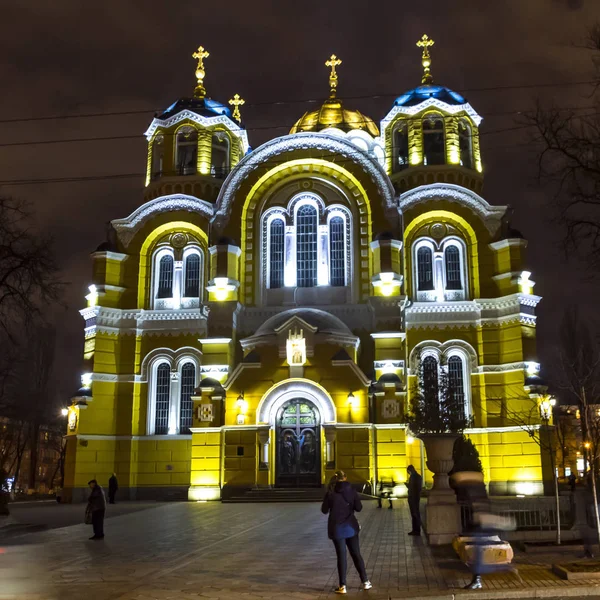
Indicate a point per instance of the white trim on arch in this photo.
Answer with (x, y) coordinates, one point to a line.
(291, 389)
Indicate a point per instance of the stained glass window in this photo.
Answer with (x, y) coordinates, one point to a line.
(425, 269)
(452, 260)
(165, 277)
(465, 143)
(434, 148)
(192, 276)
(188, 385)
(456, 384)
(306, 246)
(277, 249)
(163, 387)
(337, 265)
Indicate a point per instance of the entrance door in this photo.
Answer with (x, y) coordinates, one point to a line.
(298, 441)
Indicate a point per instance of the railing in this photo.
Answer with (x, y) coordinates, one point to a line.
(534, 513)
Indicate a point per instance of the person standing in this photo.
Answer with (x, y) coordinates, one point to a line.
(414, 485)
(341, 502)
(113, 486)
(97, 506)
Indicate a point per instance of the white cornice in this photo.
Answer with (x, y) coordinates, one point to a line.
(261, 157)
(451, 109)
(127, 228)
(490, 215)
(202, 121)
(116, 256)
(507, 243)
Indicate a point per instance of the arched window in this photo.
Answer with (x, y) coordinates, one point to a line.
(165, 277)
(158, 152)
(424, 268)
(306, 246)
(192, 276)
(456, 384)
(277, 247)
(453, 270)
(465, 142)
(400, 147)
(434, 148)
(220, 155)
(163, 389)
(337, 249)
(430, 376)
(186, 156)
(188, 385)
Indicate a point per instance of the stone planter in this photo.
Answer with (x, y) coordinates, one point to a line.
(439, 447)
(442, 518)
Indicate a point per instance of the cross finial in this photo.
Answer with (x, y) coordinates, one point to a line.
(425, 42)
(236, 102)
(333, 62)
(200, 54)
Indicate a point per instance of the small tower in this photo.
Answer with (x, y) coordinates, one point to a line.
(431, 135)
(194, 144)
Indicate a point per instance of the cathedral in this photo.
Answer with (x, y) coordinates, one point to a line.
(261, 319)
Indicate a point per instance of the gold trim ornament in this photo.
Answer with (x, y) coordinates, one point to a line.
(425, 42)
(333, 62)
(236, 102)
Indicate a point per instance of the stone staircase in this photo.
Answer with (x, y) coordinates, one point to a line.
(276, 495)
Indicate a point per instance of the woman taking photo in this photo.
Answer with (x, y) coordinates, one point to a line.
(341, 502)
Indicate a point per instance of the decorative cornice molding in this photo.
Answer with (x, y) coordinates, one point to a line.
(300, 141)
(127, 228)
(199, 120)
(490, 215)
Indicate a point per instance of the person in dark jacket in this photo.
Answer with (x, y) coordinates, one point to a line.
(414, 485)
(97, 506)
(113, 486)
(341, 502)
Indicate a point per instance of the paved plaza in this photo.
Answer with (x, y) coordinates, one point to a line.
(191, 551)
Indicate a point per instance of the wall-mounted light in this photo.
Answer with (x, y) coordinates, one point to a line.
(64, 412)
(221, 288)
(241, 404)
(92, 297)
(409, 439)
(387, 283)
(525, 283)
(352, 401)
(86, 380)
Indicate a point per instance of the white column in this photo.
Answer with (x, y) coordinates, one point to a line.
(174, 404)
(438, 275)
(177, 283)
(289, 265)
(323, 256)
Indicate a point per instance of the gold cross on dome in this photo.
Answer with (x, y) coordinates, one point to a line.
(236, 102)
(200, 55)
(333, 62)
(425, 42)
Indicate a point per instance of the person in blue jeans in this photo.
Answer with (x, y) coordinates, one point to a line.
(341, 502)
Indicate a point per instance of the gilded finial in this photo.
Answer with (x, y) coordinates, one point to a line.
(426, 43)
(236, 102)
(200, 54)
(333, 62)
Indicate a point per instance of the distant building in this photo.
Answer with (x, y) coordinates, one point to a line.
(261, 318)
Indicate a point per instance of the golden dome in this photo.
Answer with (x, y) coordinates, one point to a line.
(333, 114)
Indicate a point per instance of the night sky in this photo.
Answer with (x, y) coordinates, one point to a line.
(58, 58)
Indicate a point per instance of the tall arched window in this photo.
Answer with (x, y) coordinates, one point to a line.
(306, 246)
(434, 147)
(430, 376)
(337, 259)
(465, 143)
(163, 388)
(424, 268)
(220, 155)
(453, 270)
(165, 277)
(277, 248)
(456, 384)
(186, 156)
(188, 385)
(400, 147)
(192, 276)
(158, 152)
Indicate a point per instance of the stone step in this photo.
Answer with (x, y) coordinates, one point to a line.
(277, 495)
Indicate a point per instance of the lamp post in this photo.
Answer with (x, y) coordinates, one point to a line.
(547, 405)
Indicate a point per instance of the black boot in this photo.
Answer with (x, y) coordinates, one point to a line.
(475, 583)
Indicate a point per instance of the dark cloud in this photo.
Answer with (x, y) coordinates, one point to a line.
(65, 57)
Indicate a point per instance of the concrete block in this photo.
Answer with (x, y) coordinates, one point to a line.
(442, 523)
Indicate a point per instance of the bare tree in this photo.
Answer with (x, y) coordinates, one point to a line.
(569, 162)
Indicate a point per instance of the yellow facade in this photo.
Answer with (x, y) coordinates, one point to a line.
(260, 320)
